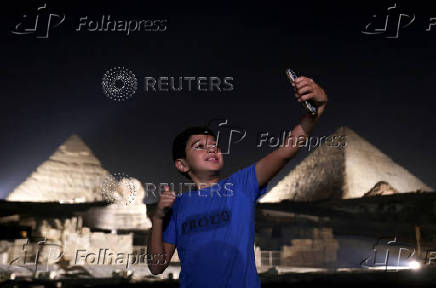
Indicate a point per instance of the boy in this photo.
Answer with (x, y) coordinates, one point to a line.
(213, 226)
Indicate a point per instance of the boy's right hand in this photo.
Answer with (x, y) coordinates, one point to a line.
(166, 200)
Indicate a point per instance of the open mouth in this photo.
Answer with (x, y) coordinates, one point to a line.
(212, 159)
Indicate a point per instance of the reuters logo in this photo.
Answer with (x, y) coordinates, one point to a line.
(119, 84)
(118, 188)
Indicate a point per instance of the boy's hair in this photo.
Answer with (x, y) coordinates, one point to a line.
(179, 143)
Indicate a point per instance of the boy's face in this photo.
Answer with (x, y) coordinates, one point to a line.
(202, 154)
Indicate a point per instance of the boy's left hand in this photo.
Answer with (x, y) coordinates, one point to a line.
(305, 88)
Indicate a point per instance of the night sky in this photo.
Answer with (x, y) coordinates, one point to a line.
(382, 88)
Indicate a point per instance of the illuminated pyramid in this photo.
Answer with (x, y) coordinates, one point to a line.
(348, 172)
(72, 174)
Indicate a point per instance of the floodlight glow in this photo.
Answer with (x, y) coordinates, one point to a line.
(414, 265)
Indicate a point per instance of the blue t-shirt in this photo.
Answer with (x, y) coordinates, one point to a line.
(213, 230)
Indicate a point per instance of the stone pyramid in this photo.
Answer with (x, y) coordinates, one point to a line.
(72, 175)
(381, 188)
(348, 172)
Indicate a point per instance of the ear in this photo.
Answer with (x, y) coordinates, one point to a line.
(181, 165)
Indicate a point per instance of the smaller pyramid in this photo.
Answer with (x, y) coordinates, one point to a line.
(381, 188)
(72, 175)
(346, 166)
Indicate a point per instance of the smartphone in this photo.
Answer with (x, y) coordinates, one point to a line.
(310, 108)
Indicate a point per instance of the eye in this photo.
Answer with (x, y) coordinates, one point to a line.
(199, 146)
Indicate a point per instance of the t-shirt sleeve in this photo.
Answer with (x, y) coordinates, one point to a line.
(247, 178)
(169, 234)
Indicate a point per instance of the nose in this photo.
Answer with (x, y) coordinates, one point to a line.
(212, 149)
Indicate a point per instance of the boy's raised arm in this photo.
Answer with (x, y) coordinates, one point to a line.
(159, 251)
(305, 89)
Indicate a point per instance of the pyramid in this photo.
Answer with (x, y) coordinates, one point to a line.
(72, 175)
(342, 170)
(381, 188)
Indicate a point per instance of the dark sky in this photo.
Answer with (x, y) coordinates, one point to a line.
(382, 88)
